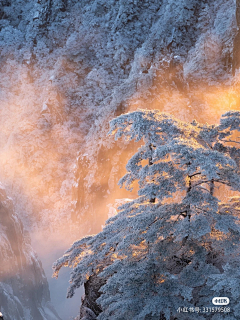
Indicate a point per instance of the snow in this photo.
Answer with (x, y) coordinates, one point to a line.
(68, 67)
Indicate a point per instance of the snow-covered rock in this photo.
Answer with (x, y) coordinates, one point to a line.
(24, 292)
(68, 67)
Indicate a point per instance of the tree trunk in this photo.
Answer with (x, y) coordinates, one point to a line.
(212, 187)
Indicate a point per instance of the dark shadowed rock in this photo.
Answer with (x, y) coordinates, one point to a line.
(90, 309)
(24, 292)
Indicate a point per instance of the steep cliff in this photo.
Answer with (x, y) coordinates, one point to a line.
(24, 292)
(68, 67)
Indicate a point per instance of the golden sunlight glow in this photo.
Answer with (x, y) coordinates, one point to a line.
(205, 103)
(138, 251)
(38, 154)
(161, 279)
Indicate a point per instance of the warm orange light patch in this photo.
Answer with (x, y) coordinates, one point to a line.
(173, 218)
(35, 165)
(103, 244)
(160, 279)
(202, 102)
(35, 155)
(218, 235)
(139, 251)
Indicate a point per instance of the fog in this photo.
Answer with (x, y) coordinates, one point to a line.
(66, 70)
(62, 194)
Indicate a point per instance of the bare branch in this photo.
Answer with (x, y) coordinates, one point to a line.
(194, 174)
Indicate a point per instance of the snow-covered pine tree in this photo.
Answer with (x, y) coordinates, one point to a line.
(169, 247)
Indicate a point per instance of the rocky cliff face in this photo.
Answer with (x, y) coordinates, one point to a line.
(68, 67)
(24, 292)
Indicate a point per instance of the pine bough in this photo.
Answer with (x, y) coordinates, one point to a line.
(177, 244)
